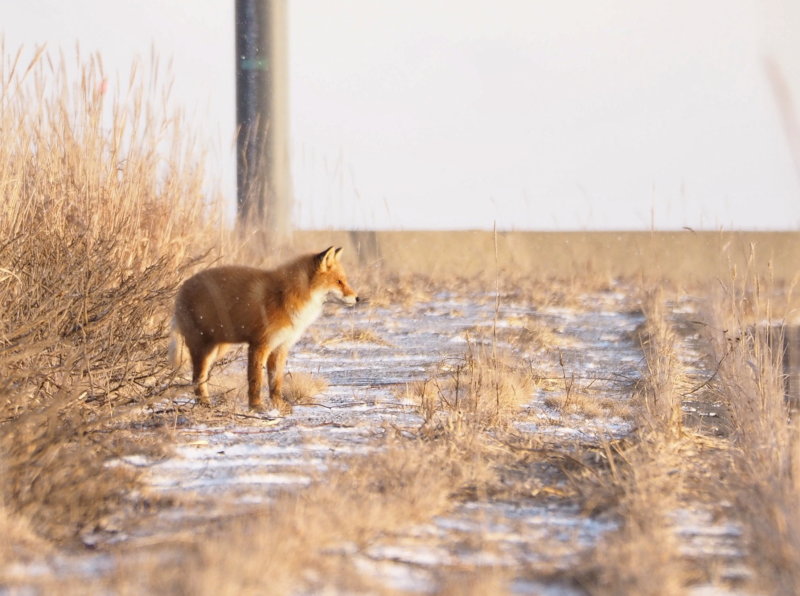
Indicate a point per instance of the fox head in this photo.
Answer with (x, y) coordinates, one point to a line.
(329, 276)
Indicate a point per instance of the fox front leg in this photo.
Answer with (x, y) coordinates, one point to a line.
(256, 357)
(275, 364)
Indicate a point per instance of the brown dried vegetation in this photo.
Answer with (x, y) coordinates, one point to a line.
(764, 435)
(98, 228)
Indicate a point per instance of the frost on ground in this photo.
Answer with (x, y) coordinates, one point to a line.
(599, 357)
(586, 372)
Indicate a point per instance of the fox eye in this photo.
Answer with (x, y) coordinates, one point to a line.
(341, 283)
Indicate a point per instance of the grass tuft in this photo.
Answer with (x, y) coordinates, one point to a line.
(300, 388)
(477, 391)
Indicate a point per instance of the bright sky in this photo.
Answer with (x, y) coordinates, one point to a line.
(583, 114)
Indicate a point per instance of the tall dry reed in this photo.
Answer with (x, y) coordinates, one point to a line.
(748, 340)
(102, 209)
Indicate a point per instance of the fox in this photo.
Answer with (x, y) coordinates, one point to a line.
(268, 309)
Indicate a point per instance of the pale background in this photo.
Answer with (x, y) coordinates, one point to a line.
(420, 114)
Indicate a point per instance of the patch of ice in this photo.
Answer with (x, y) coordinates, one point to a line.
(523, 586)
(702, 536)
(213, 451)
(397, 575)
(193, 465)
(225, 481)
(430, 556)
(131, 460)
(589, 431)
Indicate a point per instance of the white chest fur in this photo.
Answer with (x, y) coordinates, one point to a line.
(301, 319)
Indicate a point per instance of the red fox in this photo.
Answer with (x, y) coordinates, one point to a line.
(267, 309)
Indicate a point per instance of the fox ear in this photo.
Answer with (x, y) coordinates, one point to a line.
(326, 258)
(337, 254)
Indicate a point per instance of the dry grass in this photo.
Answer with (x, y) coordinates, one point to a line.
(306, 541)
(578, 261)
(765, 438)
(659, 396)
(21, 543)
(747, 476)
(357, 336)
(477, 391)
(300, 388)
(527, 334)
(310, 541)
(101, 227)
(476, 583)
(589, 404)
(101, 204)
(643, 556)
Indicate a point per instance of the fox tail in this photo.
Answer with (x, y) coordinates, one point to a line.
(177, 351)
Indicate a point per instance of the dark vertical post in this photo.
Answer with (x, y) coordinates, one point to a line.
(791, 365)
(262, 172)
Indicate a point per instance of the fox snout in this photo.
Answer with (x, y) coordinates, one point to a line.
(346, 295)
(350, 300)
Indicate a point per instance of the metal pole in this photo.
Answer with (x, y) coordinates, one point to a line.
(263, 177)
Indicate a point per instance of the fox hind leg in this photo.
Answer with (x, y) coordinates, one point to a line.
(203, 356)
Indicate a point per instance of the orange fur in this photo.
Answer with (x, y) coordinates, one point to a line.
(266, 309)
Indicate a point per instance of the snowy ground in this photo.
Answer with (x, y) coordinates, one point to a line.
(238, 465)
(247, 464)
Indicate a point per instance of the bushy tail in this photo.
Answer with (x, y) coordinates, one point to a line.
(177, 351)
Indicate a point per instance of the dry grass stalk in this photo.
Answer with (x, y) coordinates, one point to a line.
(766, 439)
(478, 391)
(480, 583)
(643, 557)
(101, 204)
(300, 388)
(357, 336)
(388, 288)
(21, 543)
(584, 402)
(659, 396)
